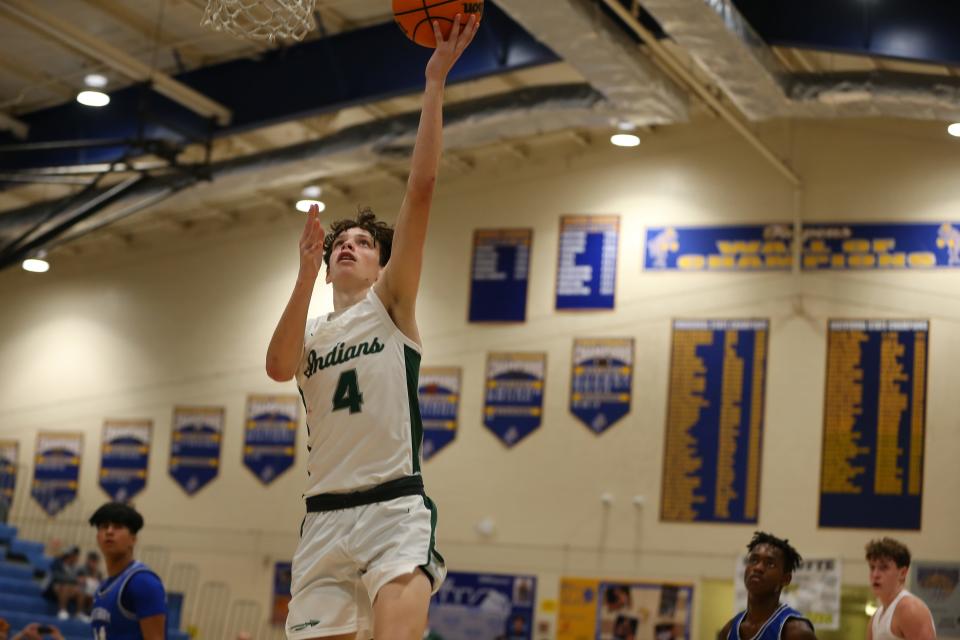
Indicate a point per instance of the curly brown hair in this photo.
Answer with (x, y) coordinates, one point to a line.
(382, 233)
(889, 548)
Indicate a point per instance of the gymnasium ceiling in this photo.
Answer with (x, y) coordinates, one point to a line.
(205, 128)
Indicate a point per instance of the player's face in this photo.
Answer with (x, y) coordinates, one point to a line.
(763, 572)
(354, 258)
(114, 539)
(886, 577)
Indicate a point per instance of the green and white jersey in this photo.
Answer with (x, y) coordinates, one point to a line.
(358, 378)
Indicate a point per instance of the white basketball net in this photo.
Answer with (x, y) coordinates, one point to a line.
(261, 19)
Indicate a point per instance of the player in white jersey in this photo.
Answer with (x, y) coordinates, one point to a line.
(366, 564)
(901, 615)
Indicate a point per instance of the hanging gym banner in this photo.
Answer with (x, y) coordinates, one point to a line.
(839, 246)
(754, 247)
(499, 273)
(601, 381)
(587, 262)
(592, 608)
(270, 435)
(195, 446)
(874, 422)
(56, 473)
(471, 606)
(439, 393)
(814, 591)
(124, 456)
(513, 407)
(9, 460)
(714, 434)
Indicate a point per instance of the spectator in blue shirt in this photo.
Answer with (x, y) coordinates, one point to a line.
(131, 603)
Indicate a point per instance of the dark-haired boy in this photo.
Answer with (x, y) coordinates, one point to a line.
(901, 615)
(131, 603)
(366, 561)
(769, 568)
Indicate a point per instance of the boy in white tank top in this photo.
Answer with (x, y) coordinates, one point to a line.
(900, 615)
(366, 563)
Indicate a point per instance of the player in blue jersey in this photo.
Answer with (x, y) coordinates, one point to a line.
(131, 603)
(769, 568)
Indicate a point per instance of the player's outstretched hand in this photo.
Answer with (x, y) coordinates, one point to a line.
(449, 50)
(311, 245)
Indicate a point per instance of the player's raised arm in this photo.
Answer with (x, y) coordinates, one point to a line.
(286, 345)
(398, 285)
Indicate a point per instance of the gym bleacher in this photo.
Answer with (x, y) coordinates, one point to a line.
(23, 566)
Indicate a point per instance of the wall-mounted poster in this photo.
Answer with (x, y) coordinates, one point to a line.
(514, 395)
(280, 594)
(590, 608)
(484, 606)
(587, 262)
(124, 457)
(270, 435)
(938, 585)
(874, 421)
(195, 446)
(499, 275)
(601, 381)
(56, 472)
(814, 591)
(439, 394)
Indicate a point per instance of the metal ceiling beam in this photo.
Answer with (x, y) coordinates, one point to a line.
(17, 127)
(92, 47)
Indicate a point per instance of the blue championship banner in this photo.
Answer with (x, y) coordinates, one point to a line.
(499, 275)
(513, 407)
(600, 383)
(714, 435)
(439, 393)
(871, 472)
(124, 455)
(487, 606)
(195, 446)
(280, 598)
(57, 470)
(722, 248)
(9, 459)
(881, 246)
(587, 263)
(938, 585)
(270, 435)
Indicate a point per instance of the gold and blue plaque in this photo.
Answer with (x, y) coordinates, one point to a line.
(714, 435)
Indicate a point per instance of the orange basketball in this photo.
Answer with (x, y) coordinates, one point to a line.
(415, 17)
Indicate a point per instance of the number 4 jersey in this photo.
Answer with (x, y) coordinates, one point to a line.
(358, 379)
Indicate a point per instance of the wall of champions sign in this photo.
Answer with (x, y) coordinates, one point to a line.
(499, 274)
(513, 407)
(124, 456)
(601, 381)
(195, 446)
(56, 471)
(714, 434)
(439, 394)
(270, 435)
(874, 422)
(587, 262)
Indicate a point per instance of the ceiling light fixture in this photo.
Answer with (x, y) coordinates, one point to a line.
(312, 192)
(304, 205)
(93, 98)
(954, 129)
(625, 140)
(95, 80)
(37, 264)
